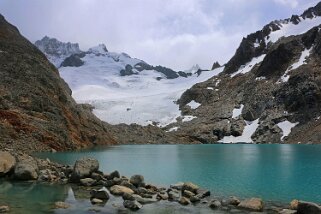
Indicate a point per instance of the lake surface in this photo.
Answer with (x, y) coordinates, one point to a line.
(272, 172)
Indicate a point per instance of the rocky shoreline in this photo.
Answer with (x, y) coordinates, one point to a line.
(99, 187)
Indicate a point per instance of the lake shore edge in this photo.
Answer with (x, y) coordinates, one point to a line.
(18, 166)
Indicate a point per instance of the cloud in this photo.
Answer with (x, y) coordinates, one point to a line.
(173, 33)
(291, 3)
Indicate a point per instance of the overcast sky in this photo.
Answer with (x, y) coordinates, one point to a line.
(173, 33)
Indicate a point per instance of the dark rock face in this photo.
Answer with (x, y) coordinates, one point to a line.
(216, 65)
(39, 114)
(308, 208)
(127, 71)
(169, 73)
(72, 61)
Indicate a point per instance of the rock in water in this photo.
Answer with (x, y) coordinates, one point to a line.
(215, 204)
(84, 168)
(308, 208)
(101, 194)
(137, 180)
(253, 204)
(4, 209)
(26, 169)
(7, 163)
(120, 190)
(190, 187)
(132, 205)
(61, 205)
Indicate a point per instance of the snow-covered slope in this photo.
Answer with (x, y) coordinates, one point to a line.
(122, 89)
(143, 98)
(55, 50)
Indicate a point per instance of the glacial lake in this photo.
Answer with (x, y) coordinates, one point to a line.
(277, 173)
(272, 172)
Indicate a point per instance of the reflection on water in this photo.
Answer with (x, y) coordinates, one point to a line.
(273, 172)
(30, 198)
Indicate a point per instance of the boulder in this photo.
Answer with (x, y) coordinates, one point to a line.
(162, 196)
(177, 186)
(132, 205)
(128, 197)
(101, 194)
(294, 204)
(137, 180)
(127, 184)
(173, 196)
(143, 200)
(120, 190)
(215, 204)
(190, 187)
(26, 169)
(83, 168)
(195, 199)
(4, 209)
(308, 208)
(114, 174)
(61, 205)
(7, 163)
(202, 193)
(253, 204)
(233, 201)
(188, 194)
(184, 201)
(87, 182)
(237, 127)
(96, 201)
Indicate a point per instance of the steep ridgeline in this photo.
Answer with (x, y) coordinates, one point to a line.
(269, 92)
(57, 51)
(127, 90)
(37, 111)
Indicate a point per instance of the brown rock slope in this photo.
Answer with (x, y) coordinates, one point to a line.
(36, 109)
(262, 92)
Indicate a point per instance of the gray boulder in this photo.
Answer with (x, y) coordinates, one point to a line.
(101, 194)
(137, 180)
(7, 163)
(83, 168)
(190, 187)
(215, 204)
(253, 204)
(87, 182)
(26, 169)
(132, 205)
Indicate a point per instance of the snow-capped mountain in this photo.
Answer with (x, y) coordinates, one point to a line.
(269, 92)
(127, 90)
(55, 50)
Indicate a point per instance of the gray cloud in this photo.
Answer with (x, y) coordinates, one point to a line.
(174, 33)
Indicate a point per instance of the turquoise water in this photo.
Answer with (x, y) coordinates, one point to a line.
(273, 172)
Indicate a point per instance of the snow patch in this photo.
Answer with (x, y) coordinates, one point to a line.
(193, 104)
(174, 129)
(304, 55)
(249, 66)
(237, 111)
(248, 131)
(100, 49)
(260, 78)
(286, 127)
(188, 118)
(289, 29)
(210, 88)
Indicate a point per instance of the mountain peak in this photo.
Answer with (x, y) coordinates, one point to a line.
(99, 49)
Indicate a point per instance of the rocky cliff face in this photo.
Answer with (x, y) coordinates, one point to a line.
(55, 50)
(269, 92)
(36, 108)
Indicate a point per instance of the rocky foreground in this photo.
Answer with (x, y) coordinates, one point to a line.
(135, 193)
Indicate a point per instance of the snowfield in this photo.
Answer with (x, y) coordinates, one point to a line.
(139, 98)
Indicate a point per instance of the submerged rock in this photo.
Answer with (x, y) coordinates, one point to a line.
(253, 204)
(215, 204)
(61, 205)
(132, 205)
(7, 163)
